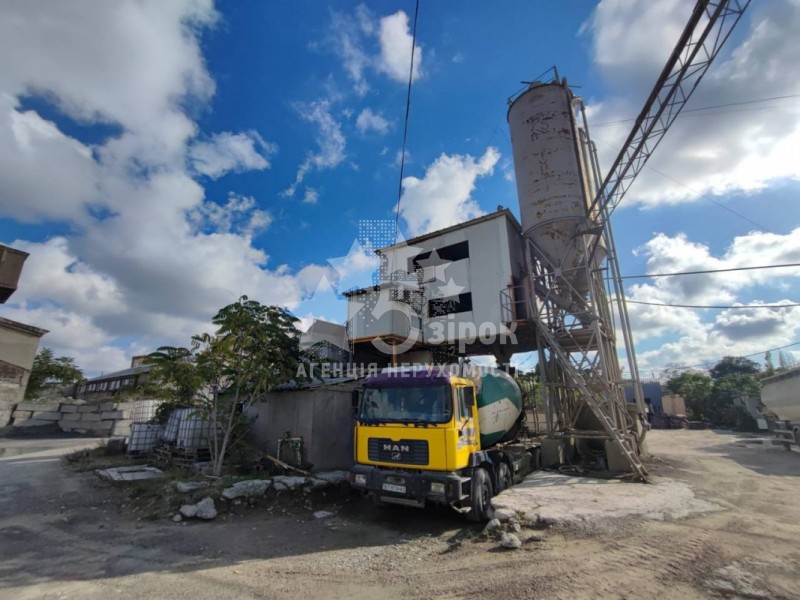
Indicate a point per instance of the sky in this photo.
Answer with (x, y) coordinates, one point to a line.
(160, 159)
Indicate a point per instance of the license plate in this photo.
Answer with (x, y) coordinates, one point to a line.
(391, 487)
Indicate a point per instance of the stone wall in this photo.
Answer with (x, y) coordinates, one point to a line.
(100, 419)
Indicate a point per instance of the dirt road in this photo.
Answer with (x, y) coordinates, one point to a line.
(63, 535)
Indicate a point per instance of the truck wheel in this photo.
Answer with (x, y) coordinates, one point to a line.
(480, 494)
(504, 479)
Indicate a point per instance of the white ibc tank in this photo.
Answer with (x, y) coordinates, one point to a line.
(552, 186)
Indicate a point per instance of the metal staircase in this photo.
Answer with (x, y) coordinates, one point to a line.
(571, 307)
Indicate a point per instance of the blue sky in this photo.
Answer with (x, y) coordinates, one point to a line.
(160, 159)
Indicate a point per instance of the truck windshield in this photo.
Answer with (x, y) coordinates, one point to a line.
(429, 404)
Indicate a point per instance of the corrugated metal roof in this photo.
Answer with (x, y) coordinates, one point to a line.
(123, 373)
(314, 384)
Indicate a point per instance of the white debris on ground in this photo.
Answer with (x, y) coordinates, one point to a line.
(287, 482)
(133, 473)
(250, 488)
(323, 514)
(554, 499)
(333, 477)
(184, 487)
(510, 541)
(204, 509)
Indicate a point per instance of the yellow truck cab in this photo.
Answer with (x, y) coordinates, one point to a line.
(418, 440)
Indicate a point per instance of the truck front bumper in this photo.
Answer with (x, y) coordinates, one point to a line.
(411, 489)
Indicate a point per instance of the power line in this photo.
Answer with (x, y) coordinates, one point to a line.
(720, 204)
(405, 125)
(711, 306)
(647, 275)
(704, 196)
(703, 364)
(702, 108)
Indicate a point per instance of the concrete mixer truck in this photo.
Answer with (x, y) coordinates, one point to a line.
(441, 435)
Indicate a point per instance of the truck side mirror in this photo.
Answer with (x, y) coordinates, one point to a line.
(471, 398)
(355, 401)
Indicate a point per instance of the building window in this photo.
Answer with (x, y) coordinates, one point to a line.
(440, 307)
(446, 254)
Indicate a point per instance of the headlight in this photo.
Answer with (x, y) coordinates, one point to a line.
(437, 488)
(360, 479)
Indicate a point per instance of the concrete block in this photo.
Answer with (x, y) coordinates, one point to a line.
(111, 414)
(46, 415)
(68, 408)
(21, 414)
(70, 417)
(38, 406)
(124, 406)
(88, 417)
(88, 408)
(103, 427)
(121, 427)
(552, 452)
(108, 406)
(31, 423)
(616, 459)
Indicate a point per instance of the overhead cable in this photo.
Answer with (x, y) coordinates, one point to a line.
(707, 271)
(405, 125)
(629, 301)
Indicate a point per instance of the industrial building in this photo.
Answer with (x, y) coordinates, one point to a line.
(456, 291)
(18, 341)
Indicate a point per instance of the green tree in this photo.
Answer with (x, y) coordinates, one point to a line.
(731, 365)
(696, 388)
(255, 348)
(174, 374)
(49, 372)
(718, 398)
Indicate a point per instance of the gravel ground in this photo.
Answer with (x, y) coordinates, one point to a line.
(67, 535)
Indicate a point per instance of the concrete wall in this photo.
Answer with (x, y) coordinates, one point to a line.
(674, 404)
(323, 417)
(781, 394)
(18, 345)
(100, 418)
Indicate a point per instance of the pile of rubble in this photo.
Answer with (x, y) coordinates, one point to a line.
(254, 488)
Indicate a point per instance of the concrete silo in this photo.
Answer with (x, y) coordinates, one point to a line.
(555, 181)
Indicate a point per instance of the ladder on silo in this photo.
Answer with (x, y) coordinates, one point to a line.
(568, 330)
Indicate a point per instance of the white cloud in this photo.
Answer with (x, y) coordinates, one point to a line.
(226, 152)
(370, 121)
(52, 272)
(443, 197)
(715, 151)
(26, 143)
(365, 43)
(114, 62)
(699, 335)
(239, 215)
(147, 257)
(310, 196)
(354, 270)
(396, 43)
(346, 36)
(329, 138)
